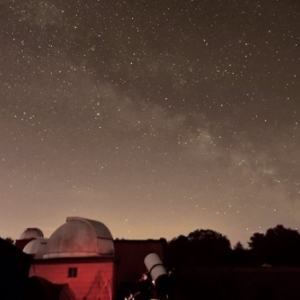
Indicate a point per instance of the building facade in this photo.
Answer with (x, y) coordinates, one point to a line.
(79, 253)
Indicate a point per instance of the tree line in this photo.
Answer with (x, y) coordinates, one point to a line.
(279, 246)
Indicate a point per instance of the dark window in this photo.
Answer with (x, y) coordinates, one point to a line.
(72, 272)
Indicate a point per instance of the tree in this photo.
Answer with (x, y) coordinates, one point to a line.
(279, 246)
(200, 247)
(238, 246)
(9, 240)
(209, 247)
(178, 251)
(282, 246)
(240, 255)
(257, 241)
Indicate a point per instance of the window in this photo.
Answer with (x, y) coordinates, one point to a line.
(72, 272)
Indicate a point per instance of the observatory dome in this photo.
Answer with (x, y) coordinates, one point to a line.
(31, 233)
(80, 237)
(36, 247)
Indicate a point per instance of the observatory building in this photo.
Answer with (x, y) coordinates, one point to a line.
(79, 253)
(83, 259)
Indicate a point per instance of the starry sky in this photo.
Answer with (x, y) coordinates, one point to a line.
(155, 117)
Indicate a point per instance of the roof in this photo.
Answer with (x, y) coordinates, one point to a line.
(36, 247)
(31, 233)
(80, 237)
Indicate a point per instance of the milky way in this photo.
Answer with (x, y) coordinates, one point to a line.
(155, 117)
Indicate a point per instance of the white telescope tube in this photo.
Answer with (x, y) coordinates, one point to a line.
(154, 266)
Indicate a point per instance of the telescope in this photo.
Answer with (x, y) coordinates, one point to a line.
(153, 285)
(158, 274)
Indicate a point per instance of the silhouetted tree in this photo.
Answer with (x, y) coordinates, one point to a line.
(178, 251)
(257, 246)
(279, 246)
(282, 246)
(240, 255)
(257, 241)
(238, 246)
(209, 247)
(200, 247)
(9, 239)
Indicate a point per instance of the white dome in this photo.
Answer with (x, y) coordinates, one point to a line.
(36, 247)
(31, 233)
(80, 237)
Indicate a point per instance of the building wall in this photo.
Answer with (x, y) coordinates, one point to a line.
(93, 281)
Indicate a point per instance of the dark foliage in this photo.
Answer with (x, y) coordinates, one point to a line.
(235, 283)
(200, 247)
(279, 246)
(9, 240)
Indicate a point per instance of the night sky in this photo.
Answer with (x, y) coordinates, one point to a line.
(156, 117)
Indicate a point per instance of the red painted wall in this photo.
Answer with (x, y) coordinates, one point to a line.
(94, 278)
